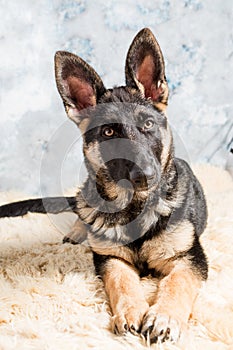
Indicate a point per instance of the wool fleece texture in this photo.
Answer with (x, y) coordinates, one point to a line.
(51, 299)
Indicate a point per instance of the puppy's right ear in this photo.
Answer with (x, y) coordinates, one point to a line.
(145, 69)
(78, 84)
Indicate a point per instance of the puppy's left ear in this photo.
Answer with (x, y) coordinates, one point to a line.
(78, 84)
(145, 69)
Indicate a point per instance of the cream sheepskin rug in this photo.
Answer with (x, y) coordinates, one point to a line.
(50, 298)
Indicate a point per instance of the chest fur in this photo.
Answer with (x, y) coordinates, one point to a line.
(152, 255)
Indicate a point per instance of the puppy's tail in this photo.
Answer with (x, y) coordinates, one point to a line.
(52, 205)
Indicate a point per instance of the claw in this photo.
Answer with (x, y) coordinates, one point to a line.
(154, 340)
(116, 331)
(160, 328)
(133, 330)
(147, 331)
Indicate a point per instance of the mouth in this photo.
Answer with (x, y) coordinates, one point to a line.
(121, 181)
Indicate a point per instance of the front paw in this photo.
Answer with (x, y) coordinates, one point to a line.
(160, 327)
(77, 235)
(129, 318)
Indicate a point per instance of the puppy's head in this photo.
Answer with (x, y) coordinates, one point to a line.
(126, 137)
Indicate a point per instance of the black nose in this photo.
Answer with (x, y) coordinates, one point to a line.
(140, 177)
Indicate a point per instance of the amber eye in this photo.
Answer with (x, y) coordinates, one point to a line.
(148, 124)
(108, 132)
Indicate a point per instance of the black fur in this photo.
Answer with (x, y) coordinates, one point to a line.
(53, 205)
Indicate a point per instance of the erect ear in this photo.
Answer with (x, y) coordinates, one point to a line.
(79, 85)
(145, 68)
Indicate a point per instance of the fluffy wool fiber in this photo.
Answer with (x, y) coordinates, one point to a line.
(51, 299)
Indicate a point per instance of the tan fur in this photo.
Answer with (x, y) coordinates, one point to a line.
(72, 113)
(161, 106)
(126, 296)
(161, 251)
(166, 137)
(150, 286)
(177, 292)
(172, 305)
(87, 213)
(78, 232)
(93, 155)
(107, 248)
(129, 303)
(111, 190)
(164, 207)
(83, 125)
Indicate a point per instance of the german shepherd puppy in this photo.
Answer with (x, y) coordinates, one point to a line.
(141, 209)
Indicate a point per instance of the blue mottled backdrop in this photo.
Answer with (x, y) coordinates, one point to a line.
(38, 143)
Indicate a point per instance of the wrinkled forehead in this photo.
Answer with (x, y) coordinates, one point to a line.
(133, 114)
